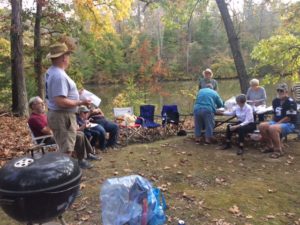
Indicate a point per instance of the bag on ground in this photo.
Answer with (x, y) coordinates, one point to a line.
(131, 200)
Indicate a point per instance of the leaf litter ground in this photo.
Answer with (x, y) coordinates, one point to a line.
(202, 185)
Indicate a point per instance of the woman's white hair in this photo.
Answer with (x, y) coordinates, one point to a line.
(207, 71)
(254, 82)
(33, 100)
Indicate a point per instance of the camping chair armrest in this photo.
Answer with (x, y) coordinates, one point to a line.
(42, 138)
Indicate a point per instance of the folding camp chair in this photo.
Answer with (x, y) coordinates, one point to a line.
(146, 119)
(296, 92)
(170, 119)
(41, 140)
(128, 128)
(296, 96)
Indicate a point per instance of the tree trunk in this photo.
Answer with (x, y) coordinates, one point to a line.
(19, 95)
(38, 50)
(235, 46)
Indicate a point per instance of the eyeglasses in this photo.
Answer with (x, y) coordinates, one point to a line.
(280, 90)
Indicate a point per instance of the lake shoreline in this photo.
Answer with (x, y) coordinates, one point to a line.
(161, 81)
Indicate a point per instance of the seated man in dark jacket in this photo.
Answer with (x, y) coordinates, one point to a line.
(283, 123)
(39, 125)
(97, 116)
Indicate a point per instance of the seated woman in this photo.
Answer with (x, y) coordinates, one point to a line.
(244, 114)
(283, 123)
(256, 96)
(95, 133)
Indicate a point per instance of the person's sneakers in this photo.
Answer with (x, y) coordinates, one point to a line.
(93, 157)
(83, 164)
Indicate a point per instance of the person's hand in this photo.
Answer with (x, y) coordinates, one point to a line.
(86, 102)
(219, 112)
(87, 124)
(233, 128)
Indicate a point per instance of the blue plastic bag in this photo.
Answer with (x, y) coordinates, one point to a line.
(123, 202)
(158, 216)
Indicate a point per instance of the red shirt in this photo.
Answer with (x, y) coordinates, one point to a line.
(37, 122)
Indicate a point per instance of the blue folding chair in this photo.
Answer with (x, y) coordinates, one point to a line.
(170, 119)
(147, 116)
(170, 115)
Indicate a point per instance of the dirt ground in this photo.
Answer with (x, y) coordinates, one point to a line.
(201, 184)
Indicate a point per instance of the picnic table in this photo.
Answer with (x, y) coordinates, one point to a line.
(221, 119)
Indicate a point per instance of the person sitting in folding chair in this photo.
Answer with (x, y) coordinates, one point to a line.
(38, 124)
(283, 123)
(93, 131)
(245, 124)
(38, 121)
(97, 116)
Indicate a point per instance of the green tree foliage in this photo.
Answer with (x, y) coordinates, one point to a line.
(279, 56)
(281, 53)
(5, 82)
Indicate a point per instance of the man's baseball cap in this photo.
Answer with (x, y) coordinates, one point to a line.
(283, 87)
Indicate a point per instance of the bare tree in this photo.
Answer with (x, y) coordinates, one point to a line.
(235, 46)
(19, 94)
(37, 49)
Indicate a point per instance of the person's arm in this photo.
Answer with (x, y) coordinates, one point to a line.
(290, 113)
(219, 101)
(97, 111)
(227, 113)
(264, 94)
(216, 87)
(46, 130)
(285, 119)
(64, 102)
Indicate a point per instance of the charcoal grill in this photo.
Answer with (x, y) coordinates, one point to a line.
(40, 187)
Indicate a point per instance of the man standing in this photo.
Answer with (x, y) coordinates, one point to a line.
(63, 99)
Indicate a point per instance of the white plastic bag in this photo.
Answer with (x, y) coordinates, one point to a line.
(230, 104)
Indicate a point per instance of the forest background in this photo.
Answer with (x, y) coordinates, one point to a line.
(144, 42)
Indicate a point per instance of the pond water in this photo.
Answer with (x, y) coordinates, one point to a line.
(227, 89)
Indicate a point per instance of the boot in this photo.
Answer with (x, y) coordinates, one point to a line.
(226, 146)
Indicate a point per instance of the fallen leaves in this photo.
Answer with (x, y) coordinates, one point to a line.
(271, 191)
(234, 210)
(16, 139)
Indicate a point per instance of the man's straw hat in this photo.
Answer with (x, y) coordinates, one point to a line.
(57, 50)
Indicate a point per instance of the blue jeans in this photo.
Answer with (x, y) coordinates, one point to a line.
(111, 128)
(286, 128)
(206, 118)
(98, 134)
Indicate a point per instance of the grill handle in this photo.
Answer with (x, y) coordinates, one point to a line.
(61, 191)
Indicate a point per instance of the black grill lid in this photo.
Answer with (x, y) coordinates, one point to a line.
(43, 172)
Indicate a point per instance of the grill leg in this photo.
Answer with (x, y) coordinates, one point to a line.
(61, 220)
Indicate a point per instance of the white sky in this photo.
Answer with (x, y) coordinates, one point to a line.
(236, 4)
